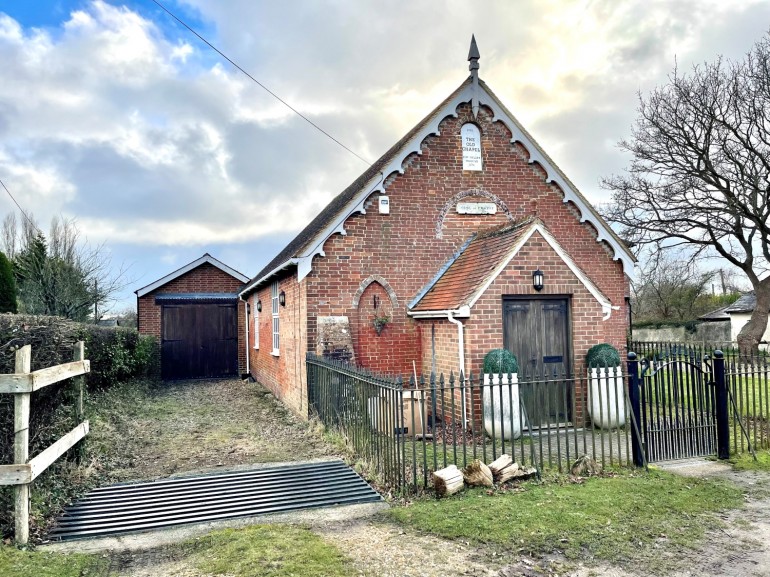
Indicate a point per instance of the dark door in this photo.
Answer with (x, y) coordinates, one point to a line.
(537, 332)
(199, 341)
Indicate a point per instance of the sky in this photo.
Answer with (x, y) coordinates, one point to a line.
(115, 115)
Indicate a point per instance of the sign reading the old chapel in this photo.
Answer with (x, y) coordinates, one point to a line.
(471, 141)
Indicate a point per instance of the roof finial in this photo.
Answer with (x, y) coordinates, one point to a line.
(473, 58)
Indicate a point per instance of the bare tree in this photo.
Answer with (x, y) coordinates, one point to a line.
(670, 289)
(700, 173)
(9, 234)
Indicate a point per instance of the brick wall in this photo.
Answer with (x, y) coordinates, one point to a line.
(283, 373)
(408, 246)
(205, 278)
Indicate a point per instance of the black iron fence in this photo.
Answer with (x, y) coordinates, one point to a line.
(686, 387)
(403, 429)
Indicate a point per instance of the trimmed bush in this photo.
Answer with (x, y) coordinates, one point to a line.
(602, 355)
(499, 361)
(117, 354)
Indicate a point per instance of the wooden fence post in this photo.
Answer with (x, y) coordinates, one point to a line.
(21, 445)
(78, 389)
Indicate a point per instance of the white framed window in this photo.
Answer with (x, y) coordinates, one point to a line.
(256, 325)
(276, 320)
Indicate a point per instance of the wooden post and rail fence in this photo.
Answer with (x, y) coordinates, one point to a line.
(22, 383)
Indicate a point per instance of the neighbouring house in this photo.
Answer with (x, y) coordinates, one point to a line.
(740, 313)
(463, 237)
(198, 320)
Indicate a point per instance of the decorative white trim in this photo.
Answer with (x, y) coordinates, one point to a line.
(206, 258)
(604, 302)
(463, 312)
(536, 154)
(377, 183)
(275, 271)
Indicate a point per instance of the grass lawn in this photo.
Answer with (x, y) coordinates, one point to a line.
(265, 550)
(745, 462)
(608, 518)
(270, 551)
(17, 563)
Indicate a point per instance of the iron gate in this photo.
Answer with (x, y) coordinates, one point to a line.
(678, 401)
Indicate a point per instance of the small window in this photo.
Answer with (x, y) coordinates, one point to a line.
(256, 327)
(276, 320)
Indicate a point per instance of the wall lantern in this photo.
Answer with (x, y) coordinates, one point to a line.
(538, 280)
(282, 299)
(259, 306)
(248, 309)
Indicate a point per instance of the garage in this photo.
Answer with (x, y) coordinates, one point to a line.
(197, 319)
(199, 336)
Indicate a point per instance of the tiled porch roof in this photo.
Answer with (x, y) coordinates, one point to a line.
(476, 262)
(462, 280)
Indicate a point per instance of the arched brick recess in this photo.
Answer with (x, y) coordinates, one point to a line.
(379, 352)
(385, 285)
(474, 192)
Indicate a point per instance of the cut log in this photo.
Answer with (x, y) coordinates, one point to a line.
(499, 464)
(508, 473)
(526, 473)
(477, 474)
(448, 481)
(585, 466)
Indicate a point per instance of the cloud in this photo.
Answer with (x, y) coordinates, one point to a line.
(121, 118)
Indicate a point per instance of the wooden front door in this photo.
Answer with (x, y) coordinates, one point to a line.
(537, 332)
(199, 341)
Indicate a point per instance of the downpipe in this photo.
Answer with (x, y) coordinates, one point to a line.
(465, 311)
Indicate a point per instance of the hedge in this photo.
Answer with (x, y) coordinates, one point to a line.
(116, 354)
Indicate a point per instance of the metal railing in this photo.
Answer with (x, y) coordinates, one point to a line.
(748, 387)
(405, 429)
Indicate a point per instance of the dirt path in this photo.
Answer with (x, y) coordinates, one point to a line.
(202, 425)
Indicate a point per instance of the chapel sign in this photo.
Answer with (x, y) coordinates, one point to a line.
(471, 141)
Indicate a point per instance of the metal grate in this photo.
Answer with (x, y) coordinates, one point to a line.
(131, 508)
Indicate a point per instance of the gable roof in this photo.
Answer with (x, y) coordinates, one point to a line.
(480, 262)
(456, 283)
(309, 242)
(206, 258)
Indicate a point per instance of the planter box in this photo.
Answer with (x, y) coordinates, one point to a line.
(606, 397)
(500, 400)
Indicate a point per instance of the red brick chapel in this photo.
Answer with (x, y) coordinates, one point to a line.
(430, 257)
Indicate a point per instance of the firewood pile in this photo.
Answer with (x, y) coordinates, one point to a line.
(451, 479)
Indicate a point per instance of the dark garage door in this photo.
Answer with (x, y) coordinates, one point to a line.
(199, 340)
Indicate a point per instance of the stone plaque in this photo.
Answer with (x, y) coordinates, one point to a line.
(476, 208)
(471, 141)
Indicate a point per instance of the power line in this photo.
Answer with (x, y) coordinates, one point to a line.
(23, 212)
(265, 88)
